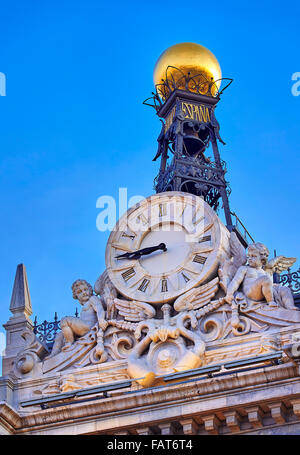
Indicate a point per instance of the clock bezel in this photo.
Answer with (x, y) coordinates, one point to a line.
(220, 236)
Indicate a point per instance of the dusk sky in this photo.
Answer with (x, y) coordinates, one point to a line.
(73, 126)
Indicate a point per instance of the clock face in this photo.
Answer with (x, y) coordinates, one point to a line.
(194, 237)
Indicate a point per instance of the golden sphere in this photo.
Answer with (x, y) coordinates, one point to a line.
(191, 60)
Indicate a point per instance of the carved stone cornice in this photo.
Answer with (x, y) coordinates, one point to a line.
(201, 398)
(9, 418)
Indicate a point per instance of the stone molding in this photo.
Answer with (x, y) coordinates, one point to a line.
(209, 405)
(10, 420)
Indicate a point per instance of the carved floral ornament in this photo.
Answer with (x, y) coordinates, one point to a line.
(227, 294)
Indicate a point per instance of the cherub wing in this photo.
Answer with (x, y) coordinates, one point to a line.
(279, 264)
(104, 288)
(103, 285)
(134, 311)
(228, 267)
(197, 297)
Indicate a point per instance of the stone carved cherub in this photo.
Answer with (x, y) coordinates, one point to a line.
(92, 312)
(253, 273)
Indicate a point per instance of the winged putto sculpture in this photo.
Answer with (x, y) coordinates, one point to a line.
(240, 298)
(253, 274)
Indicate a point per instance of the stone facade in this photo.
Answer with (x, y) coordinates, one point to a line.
(246, 384)
(262, 401)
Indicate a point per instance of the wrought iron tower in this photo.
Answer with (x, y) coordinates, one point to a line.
(185, 101)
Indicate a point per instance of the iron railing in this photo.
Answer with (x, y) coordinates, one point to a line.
(292, 280)
(46, 331)
(244, 233)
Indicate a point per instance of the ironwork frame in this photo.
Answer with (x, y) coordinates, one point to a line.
(193, 174)
(292, 280)
(198, 83)
(241, 231)
(46, 331)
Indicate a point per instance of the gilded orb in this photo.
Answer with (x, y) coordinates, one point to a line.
(195, 69)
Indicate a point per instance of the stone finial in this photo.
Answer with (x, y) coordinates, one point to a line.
(20, 300)
(20, 306)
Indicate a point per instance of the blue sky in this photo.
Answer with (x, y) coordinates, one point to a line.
(73, 127)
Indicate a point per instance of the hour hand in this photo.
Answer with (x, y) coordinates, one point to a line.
(133, 255)
(137, 254)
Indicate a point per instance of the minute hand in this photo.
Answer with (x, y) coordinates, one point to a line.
(137, 254)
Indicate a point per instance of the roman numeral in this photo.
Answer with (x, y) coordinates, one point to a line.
(186, 279)
(182, 210)
(199, 259)
(142, 219)
(162, 210)
(206, 238)
(130, 236)
(197, 220)
(144, 285)
(129, 273)
(164, 285)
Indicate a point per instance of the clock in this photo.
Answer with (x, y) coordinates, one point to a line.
(164, 246)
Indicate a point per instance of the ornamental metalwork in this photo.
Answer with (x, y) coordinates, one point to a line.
(46, 331)
(189, 127)
(292, 280)
(198, 83)
(241, 231)
(186, 105)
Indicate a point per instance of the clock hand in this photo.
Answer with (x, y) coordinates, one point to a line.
(137, 254)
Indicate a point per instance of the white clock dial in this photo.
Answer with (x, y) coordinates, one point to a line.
(194, 237)
(161, 262)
